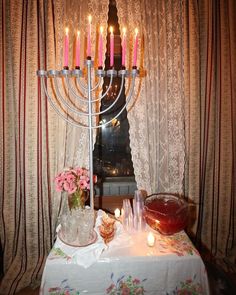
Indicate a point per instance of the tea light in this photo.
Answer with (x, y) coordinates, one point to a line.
(150, 239)
(117, 213)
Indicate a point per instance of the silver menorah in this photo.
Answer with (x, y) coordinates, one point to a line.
(83, 91)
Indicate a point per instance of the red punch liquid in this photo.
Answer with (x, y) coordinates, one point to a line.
(166, 215)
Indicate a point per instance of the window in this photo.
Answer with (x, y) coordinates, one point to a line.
(112, 155)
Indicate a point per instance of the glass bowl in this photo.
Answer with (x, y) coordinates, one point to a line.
(166, 213)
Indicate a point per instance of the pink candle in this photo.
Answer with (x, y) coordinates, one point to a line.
(111, 47)
(89, 36)
(100, 49)
(123, 47)
(77, 50)
(135, 48)
(66, 48)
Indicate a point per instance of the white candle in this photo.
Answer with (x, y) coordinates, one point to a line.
(117, 213)
(150, 239)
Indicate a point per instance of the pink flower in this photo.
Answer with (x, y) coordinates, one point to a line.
(125, 291)
(110, 288)
(70, 178)
(72, 188)
(136, 281)
(59, 188)
(85, 172)
(82, 184)
(79, 171)
(66, 186)
(58, 179)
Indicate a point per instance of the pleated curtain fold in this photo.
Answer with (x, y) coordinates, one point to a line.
(35, 144)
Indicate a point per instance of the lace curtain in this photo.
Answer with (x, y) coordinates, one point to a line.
(76, 151)
(182, 127)
(157, 119)
(34, 143)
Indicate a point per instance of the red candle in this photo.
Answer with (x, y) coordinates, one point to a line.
(66, 48)
(111, 47)
(100, 47)
(89, 36)
(123, 47)
(135, 48)
(77, 50)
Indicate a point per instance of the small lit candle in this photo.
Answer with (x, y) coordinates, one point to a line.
(77, 53)
(89, 36)
(135, 48)
(150, 239)
(111, 47)
(117, 213)
(66, 48)
(100, 47)
(123, 47)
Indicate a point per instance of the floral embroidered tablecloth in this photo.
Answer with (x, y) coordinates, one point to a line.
(129, 266)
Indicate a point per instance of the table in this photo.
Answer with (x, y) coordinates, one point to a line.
(129, 266)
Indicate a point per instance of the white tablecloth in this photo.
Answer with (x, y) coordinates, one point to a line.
(129, 266)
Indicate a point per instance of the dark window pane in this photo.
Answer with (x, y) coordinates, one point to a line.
(112, 150)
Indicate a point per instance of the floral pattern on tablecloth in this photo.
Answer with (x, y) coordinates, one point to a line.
(188, 287)
(63, 289)
(126, 285)
(58, 253)
(178, 244)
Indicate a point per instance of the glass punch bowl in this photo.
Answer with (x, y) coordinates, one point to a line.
(166, 213)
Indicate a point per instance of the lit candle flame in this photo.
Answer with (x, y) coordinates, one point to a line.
(124, 31)
(150, 239)
(101, 29)
(136, 31)
(90, 19)
(111, 29)
(117, 213)
(67, 30)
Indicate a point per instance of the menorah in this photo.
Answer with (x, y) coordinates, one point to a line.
(83, 91)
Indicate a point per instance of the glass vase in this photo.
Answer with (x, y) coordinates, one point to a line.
(77, 199)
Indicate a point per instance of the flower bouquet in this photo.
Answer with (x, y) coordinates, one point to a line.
(76, 182)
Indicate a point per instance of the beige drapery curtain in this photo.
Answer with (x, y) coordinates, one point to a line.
(34, 143)
(157, 118)
(182, 128)
(210, 178)
(217, 199)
